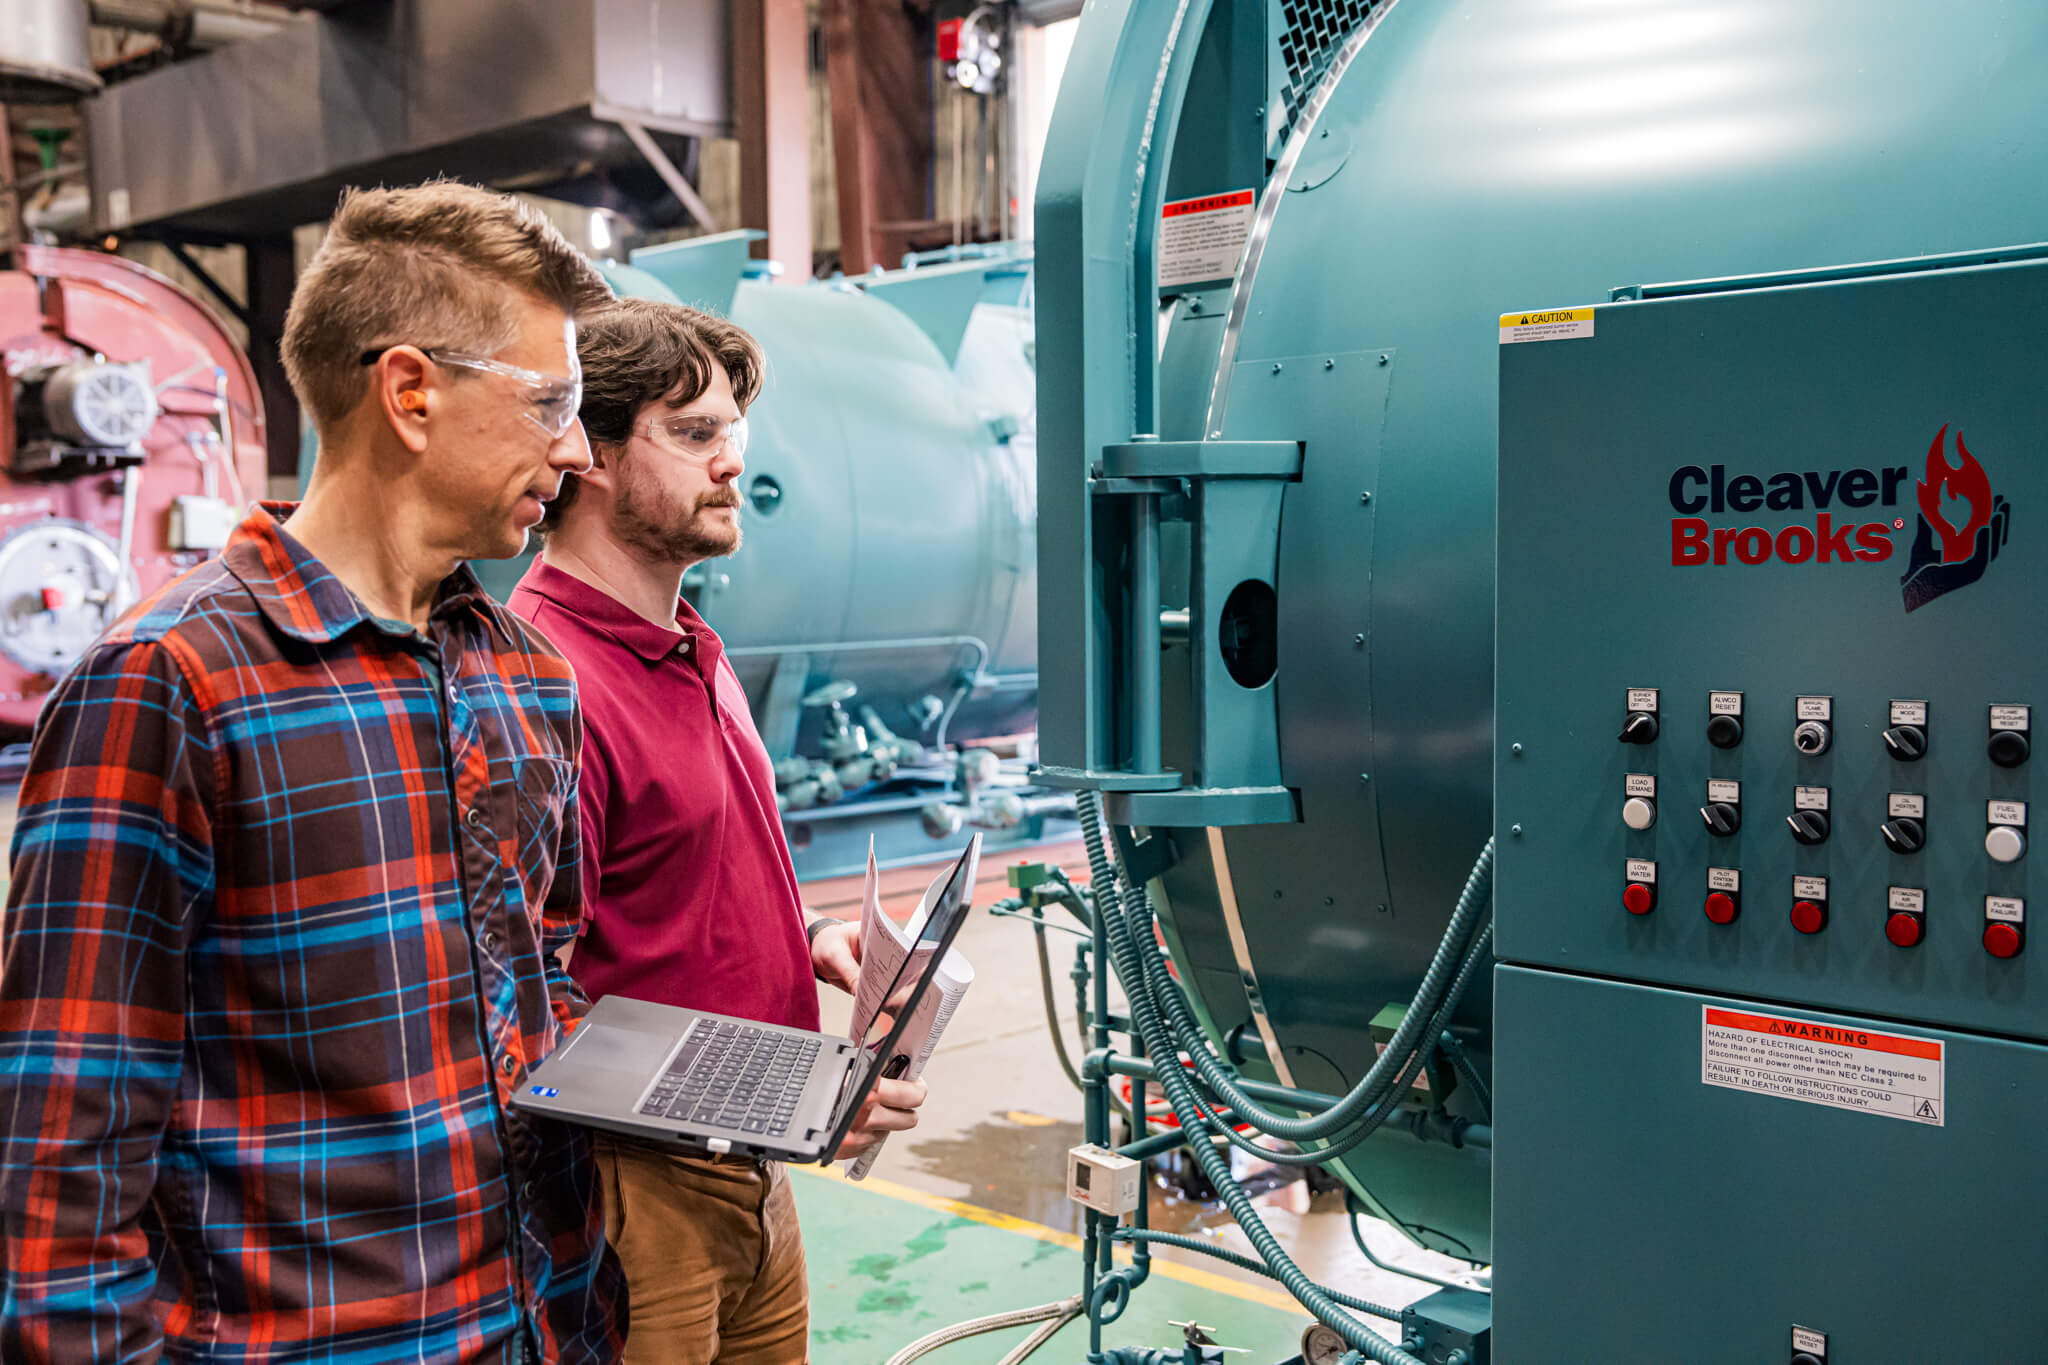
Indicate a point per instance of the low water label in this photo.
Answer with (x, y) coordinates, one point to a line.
(1840, 1066)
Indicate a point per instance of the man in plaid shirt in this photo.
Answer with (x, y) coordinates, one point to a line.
(296, 849)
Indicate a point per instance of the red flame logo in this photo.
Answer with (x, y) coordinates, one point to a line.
(1967, 482)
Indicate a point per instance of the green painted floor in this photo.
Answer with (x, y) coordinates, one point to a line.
(888, 1267)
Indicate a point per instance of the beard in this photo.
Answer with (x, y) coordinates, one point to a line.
(659, 526)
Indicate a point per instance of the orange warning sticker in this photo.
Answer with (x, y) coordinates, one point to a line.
(1840, 1065)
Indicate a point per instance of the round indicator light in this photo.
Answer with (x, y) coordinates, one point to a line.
(1720, 907)
(2001, 940)
(1809, 917)
(1638, 899)
(1903, 930)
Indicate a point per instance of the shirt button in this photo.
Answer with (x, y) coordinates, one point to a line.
(490, 938)
(509, 1065)
(474, 818)
(453, 694)
(529, 1189)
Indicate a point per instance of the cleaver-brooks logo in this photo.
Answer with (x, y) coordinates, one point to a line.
(1851, 518)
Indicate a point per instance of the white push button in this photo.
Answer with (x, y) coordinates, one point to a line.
(2005, 844)
(1637, 813)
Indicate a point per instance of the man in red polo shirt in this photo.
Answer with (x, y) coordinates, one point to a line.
(691, 896)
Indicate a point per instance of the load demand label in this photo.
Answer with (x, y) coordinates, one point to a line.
(1838, 1065)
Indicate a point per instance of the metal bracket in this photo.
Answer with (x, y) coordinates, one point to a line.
(1203, 460)
(677, 183)
(1205, 806)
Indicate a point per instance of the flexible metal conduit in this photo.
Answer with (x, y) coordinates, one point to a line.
(1056, 1315)
(1181, 1094)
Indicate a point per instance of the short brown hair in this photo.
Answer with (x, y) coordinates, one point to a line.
(636, 351)
(428, 265)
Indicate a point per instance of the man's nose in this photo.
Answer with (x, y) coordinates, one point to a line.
(571, 451)
(728, 464)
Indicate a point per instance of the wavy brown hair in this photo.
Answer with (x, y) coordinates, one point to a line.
(640, 351)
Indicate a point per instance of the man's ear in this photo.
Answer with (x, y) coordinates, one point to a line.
(403, 392)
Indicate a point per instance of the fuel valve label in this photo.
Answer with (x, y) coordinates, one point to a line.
(1837, 1065)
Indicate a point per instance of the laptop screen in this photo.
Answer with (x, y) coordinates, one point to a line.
(935, 937)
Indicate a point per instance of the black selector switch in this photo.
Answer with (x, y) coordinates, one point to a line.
(1905, 826)
(1906, 738)
(1723, 812)
(1906, 743)
(1809, 826)
(2011, 729)
(1904, 835)
(1809, 817)
(1639, 720)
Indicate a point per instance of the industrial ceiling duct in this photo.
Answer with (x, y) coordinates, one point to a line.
(45, 55)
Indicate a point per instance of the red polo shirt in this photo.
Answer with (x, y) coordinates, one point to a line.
(689, 894)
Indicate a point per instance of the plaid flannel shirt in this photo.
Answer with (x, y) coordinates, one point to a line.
(279, 949)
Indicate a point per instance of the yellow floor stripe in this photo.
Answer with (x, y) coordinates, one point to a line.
(1172, 1270)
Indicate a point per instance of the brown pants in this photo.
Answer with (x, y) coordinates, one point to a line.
(714, 1260)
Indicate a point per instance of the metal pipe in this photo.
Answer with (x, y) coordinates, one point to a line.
(206, 24)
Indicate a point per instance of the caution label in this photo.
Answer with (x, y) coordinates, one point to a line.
(1837, 1065)
(1202, 239)
(1553, 324)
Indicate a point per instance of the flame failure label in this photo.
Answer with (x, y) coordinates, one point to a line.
(1846, 518)
(1841, 1066)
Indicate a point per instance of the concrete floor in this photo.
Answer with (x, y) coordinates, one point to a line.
(990, 1153)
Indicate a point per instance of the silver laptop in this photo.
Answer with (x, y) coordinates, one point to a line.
(711, 1083)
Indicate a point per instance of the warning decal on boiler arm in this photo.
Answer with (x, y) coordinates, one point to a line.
(1838, 1065)
(1202, 239)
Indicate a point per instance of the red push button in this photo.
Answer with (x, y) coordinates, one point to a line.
(1903, 929)
(1639, 899)
(53, 598)
(2002, 940)
(1809, 917)
(1721, 907)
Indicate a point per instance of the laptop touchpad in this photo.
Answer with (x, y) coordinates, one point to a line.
(618, 1049)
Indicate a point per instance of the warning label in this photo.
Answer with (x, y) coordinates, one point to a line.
(1837, 1065)
(1202, 239)
(1554, 324)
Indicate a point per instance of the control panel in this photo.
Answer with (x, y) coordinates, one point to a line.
(1779, 743)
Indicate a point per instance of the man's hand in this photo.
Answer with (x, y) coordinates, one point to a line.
(891, 1107)
(835, 955)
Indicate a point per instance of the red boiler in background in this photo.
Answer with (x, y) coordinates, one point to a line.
(133, 439)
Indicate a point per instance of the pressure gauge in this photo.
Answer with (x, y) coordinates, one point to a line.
(61, 584)
(1321, 1346)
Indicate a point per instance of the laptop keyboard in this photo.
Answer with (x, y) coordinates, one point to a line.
(734, 1075)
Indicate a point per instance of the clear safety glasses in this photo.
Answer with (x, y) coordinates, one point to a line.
(552, 402)
(697, 437)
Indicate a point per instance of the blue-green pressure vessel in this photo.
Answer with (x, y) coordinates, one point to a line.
(1453, 160)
